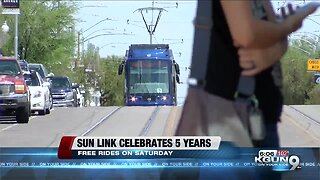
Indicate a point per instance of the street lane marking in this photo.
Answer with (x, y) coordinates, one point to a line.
(8, 127)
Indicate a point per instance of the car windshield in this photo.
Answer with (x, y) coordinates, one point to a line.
(40, 69)
(24, 67)
(60, 83)
(33, 78)
(9, 67)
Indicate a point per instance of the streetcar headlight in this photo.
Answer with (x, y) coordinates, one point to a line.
(164, 98)
(133, 98)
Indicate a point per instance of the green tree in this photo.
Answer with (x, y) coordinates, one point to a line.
(45, 33)
(111, 83)
(88, 72)
(101, 74)
(314, 95)
(298, 82)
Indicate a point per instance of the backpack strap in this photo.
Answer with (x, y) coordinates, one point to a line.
(201, 46)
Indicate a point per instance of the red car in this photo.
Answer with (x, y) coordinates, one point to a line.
(14, 94)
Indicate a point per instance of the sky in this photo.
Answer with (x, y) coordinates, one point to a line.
(175, 28)
(125, 27)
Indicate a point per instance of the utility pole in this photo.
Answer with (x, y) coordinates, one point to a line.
(78, 51)
(16, 36)
(13, 8)
(82, 42)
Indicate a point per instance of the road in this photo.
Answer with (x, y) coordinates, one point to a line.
(299, 127)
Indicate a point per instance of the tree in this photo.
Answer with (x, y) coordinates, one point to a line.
(45, 33)
(297, 81)
(112, 85)
(314, 95)
(101, 74)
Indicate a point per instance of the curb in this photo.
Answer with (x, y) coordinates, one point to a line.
(303, 121)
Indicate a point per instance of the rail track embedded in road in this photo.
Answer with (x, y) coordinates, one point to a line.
(305, 115)
(102, 120)
(151, 119)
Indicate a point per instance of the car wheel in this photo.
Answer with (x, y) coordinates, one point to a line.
(29, 111)
(22, 114)
(42, 112)
(75, 103)
(48, 111)
(51, 101)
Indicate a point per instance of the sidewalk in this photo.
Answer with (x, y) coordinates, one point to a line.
(293, 134)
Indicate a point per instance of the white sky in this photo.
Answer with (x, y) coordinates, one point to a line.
(174, 25)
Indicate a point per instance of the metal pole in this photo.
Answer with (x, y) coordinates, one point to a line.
(78, 52)
(82, 49)
(16, 37)
(150, 38)
(150, 32)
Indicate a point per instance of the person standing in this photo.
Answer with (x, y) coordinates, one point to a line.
(246, 40)
(255, 43)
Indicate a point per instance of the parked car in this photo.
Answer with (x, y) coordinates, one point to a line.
(62, 92)
(40, 94)
(42, 70)
(24, 66)
(14, 93)
(80, 97)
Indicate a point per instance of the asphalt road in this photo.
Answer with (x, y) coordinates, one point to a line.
(299, 127)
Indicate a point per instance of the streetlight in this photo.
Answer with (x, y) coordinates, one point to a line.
(81, 33)
(105, 29)
(176, 41)
(111, 44)
(301, 50)
(5, 28)
(315, 44)
(3, 39)
(104, 34)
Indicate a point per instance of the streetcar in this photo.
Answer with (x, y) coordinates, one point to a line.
(151, 75)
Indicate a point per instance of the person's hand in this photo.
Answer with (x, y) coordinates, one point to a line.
(295, 18)
(253, 61)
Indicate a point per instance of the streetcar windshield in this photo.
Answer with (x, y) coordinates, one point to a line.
(148, 76)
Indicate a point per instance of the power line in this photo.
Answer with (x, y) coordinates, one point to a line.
(151, 28)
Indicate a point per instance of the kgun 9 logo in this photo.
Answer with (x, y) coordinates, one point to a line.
(278, 158)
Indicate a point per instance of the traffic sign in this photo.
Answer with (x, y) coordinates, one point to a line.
(10, 11)
(15, 4)
(10, 7)
(314, 65)
(317, 78)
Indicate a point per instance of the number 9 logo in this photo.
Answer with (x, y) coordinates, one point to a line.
(294, 161)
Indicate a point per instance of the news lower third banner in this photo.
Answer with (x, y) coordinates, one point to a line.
(83, 154)
(72, 147)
